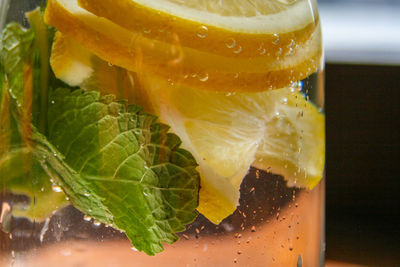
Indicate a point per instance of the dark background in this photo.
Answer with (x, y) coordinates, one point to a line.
(363, 144)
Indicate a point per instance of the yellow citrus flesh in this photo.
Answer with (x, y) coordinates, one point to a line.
(277, 130)
(173, 61)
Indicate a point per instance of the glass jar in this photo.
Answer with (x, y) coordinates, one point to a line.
(240, 85)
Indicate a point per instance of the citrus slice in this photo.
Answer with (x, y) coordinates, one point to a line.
(182, 64)
(221, 27)
(274, 130)
(278, 131)
(77, 66)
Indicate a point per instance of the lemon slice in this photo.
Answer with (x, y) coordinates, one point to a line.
(222, 27)
(227, 132)
(77, 66)
(277, 131)
(276, 65)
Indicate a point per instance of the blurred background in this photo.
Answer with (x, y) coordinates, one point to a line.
(362, 48)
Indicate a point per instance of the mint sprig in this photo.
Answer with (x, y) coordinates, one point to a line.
(128, 163)
(115, 162)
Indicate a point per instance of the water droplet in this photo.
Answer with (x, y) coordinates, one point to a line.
(292, 43)
(87, 218)
(299, 261)
(56, 188)
(261, 50)
(237, 235)
(238, 50)
(230, 43)
(277, 39)
(202, 32)
(203, 77)
(300, 114)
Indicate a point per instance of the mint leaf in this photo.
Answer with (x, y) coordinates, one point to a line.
(115, 162)
(129, 165)
(15, 56)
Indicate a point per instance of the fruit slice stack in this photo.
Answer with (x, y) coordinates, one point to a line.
(207, 69)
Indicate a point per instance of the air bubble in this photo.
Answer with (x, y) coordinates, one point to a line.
(230, 43)
(65, 253)
(261, 50)
(134, 249)
(238, 50)
(277, 39)
(292, 43)
(87, 218)
(56, 188)
(96, 223)
(202, 32)
(86, 194)
(253, 228)
(279, 52)
(203, 77)
(146, 31)
(284, 100)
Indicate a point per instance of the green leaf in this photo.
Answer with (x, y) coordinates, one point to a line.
(15, 52)
(20, 172)
(129, 165)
